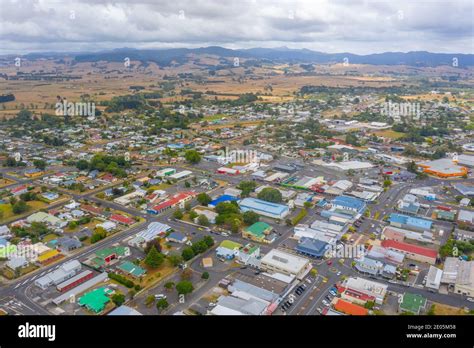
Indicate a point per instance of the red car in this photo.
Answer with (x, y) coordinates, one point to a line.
(329, 263)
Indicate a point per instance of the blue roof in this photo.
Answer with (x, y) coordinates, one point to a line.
(260, 205)
(349, 202)
(410, 221)
(223, 198)
(311, 246)
(176, 236)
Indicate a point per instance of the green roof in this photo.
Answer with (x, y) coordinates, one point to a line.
(131, 268)
(230, 245)
(258, 229)
(103, 253)
(95, 300)
(412, 303)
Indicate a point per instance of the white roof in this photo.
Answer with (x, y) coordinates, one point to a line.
(279, 259)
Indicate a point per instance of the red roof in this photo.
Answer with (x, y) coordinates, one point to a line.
(409, 248)
(18, 189)
(173, 201)
(92, 209)
(122, 219)
(350, 308)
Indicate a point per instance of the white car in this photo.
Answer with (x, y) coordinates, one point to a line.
(212, 304)
(470, 299)
(160, 296)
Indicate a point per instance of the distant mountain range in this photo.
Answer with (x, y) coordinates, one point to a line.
(180, 55)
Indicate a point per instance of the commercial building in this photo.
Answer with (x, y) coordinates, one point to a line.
(360, 290)
(181, 175)
(400, 235)
(75, 281)
(264, 208)
(165, 172)
(228, 249)
(259, 232)
(349, 203)
(386, 255)
(288, 264)
(153, 231)
(95, 300)
(221, 199)
(466, 217)
(177, 200)
(227, 171)
(433, 278)
(443, 168)
(131, 269)
(124, 310)
(410, 222)
(64, 272)
(49, 256)
(80, 288)
(413, 252)
(312, 247)
(349, 308)
(459, 276)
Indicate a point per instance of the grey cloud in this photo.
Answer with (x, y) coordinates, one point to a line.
(360, 26)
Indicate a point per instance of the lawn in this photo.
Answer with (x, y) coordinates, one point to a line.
(154, 275)
(6, 210)
(161, 186)
(49, 237)
(442, 309)
(5, 182)
(390, 134)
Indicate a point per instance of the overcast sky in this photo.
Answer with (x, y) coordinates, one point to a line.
(357, 26)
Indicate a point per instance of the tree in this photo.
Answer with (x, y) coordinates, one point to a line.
(99, 234)
(387, 183)
(203, 220)
(204, 199)
(20, 207)
(178, 214)
(187, 206)
(251, 217)
(205, 275)
(153, 243)
(149, 300)
(192, 156)
(169, 286)
(270, 194)
(187, 254)
(162, 304)
(175, 259)
(118, 299)
(184, 287)
(154, 259)
(186, 274)
(209, 241)
(247, 187)
(40, 164)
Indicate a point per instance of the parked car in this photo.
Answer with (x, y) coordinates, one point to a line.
(470, 299)
(160, 297)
